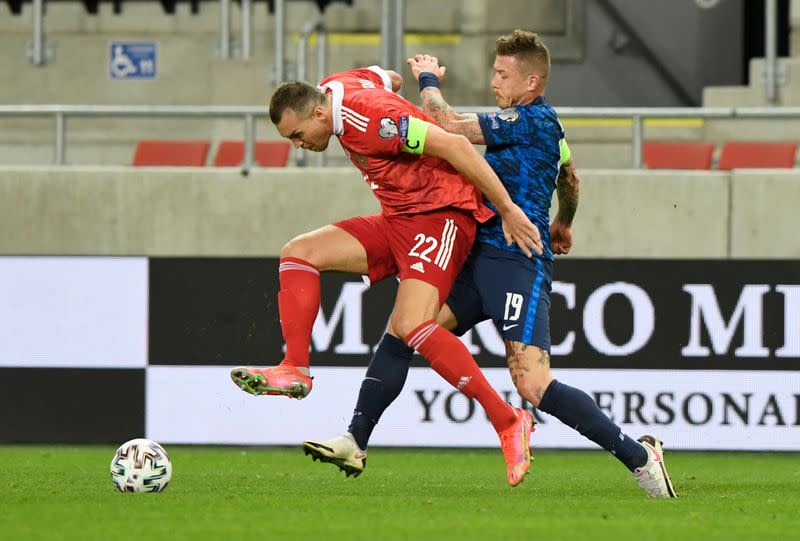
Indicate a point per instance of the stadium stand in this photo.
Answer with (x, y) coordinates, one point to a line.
(678, 154)
(165, 152)
(757, 154)
(266, 153)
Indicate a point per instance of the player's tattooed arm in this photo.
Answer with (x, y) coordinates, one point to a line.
(568, 190)
(466, 124)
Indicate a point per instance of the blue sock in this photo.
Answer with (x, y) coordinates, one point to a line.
(383, 382)
(577, 410)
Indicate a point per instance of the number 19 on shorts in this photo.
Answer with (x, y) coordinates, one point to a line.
(513, 306)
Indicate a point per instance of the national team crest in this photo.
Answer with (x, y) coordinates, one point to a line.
(388, 128)
(509, 115)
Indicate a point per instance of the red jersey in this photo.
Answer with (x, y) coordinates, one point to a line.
(371, 123)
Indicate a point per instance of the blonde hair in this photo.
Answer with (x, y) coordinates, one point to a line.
(527, 47)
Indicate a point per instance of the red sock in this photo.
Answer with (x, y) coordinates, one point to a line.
(450, 359)
(298, 303)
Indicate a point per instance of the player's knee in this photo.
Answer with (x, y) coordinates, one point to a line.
(299, 247)
(530, 389)
(404, 324)
(531, 386)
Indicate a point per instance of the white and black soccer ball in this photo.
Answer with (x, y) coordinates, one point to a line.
(141, 465)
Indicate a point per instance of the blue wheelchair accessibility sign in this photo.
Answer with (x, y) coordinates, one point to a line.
(133, 60)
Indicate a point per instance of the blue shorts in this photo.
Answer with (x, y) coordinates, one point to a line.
(510, 289)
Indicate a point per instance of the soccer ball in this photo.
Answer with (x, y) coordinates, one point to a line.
(141, 465)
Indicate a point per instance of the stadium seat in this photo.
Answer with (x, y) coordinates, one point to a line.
(171, 152)
(678, 154)
(266, 153)
(744, 155)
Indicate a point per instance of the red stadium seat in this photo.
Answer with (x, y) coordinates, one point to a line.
(678, 154)
(744, 155)
(170, 152)
(266, 153)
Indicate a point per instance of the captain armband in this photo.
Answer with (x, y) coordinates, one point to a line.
(564, 151)
(415, 138)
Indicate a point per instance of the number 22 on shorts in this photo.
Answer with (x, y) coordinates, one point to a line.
(426, 244)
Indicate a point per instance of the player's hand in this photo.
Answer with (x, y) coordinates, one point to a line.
(560, 238)
(517, 228)
(424, 62)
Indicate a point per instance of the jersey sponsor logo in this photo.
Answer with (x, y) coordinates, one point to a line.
(366, 83)
(506, 327)
(509, 115)
(418, 267)
(388, 129)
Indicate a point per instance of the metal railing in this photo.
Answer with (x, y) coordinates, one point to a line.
(312, 27)
(639, 114)
(392, 30)
(60, 113)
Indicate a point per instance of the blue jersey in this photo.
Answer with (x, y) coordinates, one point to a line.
(524, 147)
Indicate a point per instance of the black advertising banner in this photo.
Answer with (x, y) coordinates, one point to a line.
(633, 314)
(225, 311)
(71, 405)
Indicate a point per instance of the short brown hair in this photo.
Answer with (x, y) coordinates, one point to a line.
(298, 96)
(529, 48)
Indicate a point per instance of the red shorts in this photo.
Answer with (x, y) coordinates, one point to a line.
(430, 247)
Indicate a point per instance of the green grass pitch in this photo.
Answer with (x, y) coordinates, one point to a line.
(65, 492)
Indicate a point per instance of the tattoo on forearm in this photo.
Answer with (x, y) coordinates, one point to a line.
(433, 103)
(568, 187)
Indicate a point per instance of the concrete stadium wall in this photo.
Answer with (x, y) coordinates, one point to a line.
(764, 207)
(217, 212)
(127, 211)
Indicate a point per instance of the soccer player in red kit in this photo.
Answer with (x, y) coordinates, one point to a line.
(429, 185)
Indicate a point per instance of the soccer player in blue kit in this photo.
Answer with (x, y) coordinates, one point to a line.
(525, 146)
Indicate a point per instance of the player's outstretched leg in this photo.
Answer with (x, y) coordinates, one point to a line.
(653, 476)
(284, 379)
(298, 304)
(341, 451)
(516, 444)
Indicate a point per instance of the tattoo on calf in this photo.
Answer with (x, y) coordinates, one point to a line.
(515, 355)
(545, 358)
